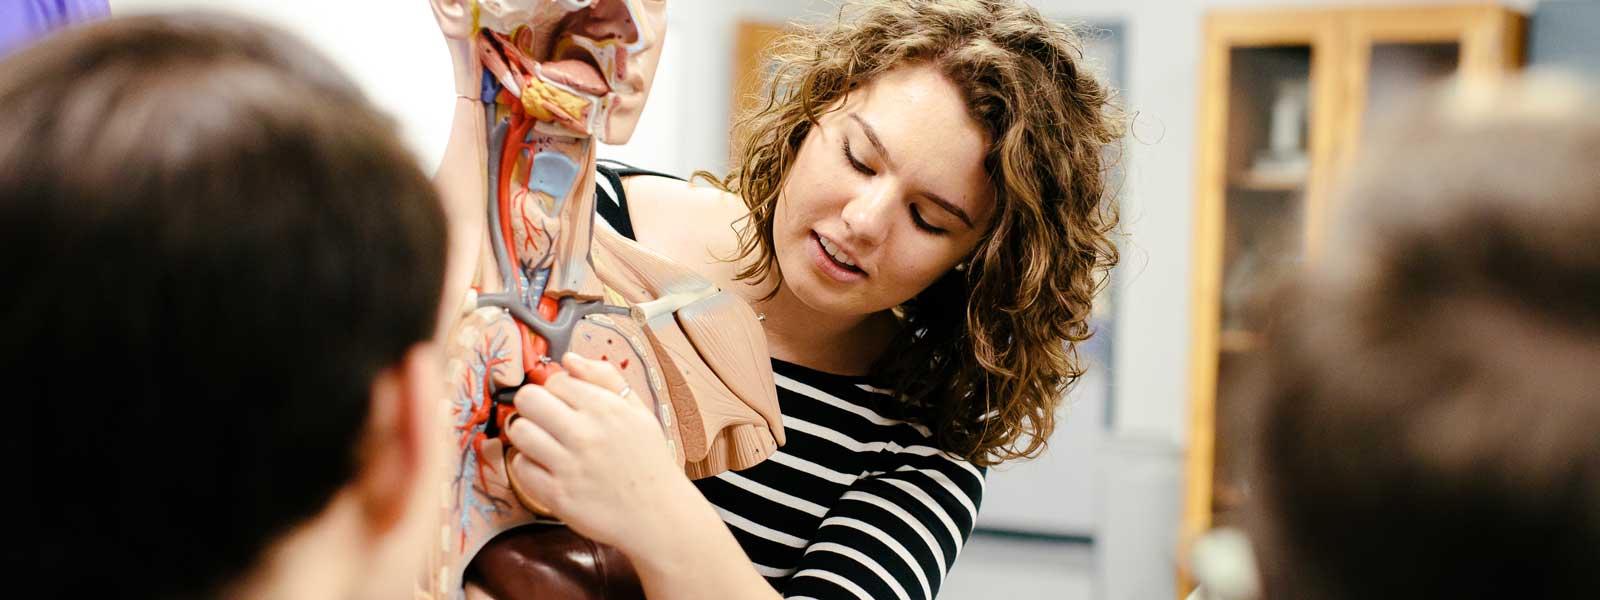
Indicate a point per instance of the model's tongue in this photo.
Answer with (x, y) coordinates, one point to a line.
(576, 74)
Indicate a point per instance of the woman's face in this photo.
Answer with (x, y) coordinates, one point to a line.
(886, 195)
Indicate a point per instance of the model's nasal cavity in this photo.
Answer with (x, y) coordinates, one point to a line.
(609, 19)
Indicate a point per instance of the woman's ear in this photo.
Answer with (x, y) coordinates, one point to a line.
(455, 17)
(398, 449)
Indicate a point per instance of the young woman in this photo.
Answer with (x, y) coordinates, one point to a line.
(919, 215)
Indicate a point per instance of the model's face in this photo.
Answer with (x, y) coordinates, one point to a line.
(886, 195)
(604, 50)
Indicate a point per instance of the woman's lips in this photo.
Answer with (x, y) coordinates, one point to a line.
(838, 271)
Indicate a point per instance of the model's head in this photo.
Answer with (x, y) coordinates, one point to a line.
(603, 51)
(1429, 406)
(223, 271)
(945, 158)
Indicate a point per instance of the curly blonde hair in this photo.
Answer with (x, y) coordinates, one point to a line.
(982, 356)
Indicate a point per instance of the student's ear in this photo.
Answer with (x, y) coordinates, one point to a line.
(454, 17)
(398, 447)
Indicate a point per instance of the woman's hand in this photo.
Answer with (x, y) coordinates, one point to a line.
(598, 461)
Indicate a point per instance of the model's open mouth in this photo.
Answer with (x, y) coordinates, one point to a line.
(574, 66)
(577, 68)
(570, 90)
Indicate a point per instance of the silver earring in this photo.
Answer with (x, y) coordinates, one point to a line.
(961, 268)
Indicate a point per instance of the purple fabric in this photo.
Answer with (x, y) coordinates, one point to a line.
(22, 21)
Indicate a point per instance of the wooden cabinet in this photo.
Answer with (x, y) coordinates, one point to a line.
(1285, 96)
(752, 65)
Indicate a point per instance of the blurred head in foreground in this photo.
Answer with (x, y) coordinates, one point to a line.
(1429, 419)
(222, 276)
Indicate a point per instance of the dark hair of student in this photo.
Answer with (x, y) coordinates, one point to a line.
(211, 247)
(1429, 418)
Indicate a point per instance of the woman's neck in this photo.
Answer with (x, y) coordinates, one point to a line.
(798, 334)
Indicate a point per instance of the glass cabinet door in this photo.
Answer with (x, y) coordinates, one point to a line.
(1269, 87)
(1263, 218)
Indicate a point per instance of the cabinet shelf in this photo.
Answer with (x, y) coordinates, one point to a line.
(1258, 181)
(1240, 341)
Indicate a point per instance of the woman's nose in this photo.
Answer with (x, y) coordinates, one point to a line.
(867, 215)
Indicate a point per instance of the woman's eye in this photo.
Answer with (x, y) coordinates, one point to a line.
(916, 217)
(856, 164)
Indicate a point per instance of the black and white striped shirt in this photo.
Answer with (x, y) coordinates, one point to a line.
(854, 505)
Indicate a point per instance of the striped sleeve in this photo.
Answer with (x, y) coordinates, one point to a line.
(893, 534)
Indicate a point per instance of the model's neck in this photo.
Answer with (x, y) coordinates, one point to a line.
(462, 189)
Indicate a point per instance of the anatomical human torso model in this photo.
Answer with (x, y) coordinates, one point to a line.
(539, 82)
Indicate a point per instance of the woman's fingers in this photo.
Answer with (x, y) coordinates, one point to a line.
(537, 444)
(598, 372)
(549, 413)
(586, 383)
(596, 461)
(537, 482)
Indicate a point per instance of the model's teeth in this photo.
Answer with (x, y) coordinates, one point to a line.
(834, 252)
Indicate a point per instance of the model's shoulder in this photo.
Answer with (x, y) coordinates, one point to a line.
(691, 224)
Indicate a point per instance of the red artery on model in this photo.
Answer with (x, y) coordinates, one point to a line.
(535, 349)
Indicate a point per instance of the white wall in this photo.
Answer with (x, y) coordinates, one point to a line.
(390, 47)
